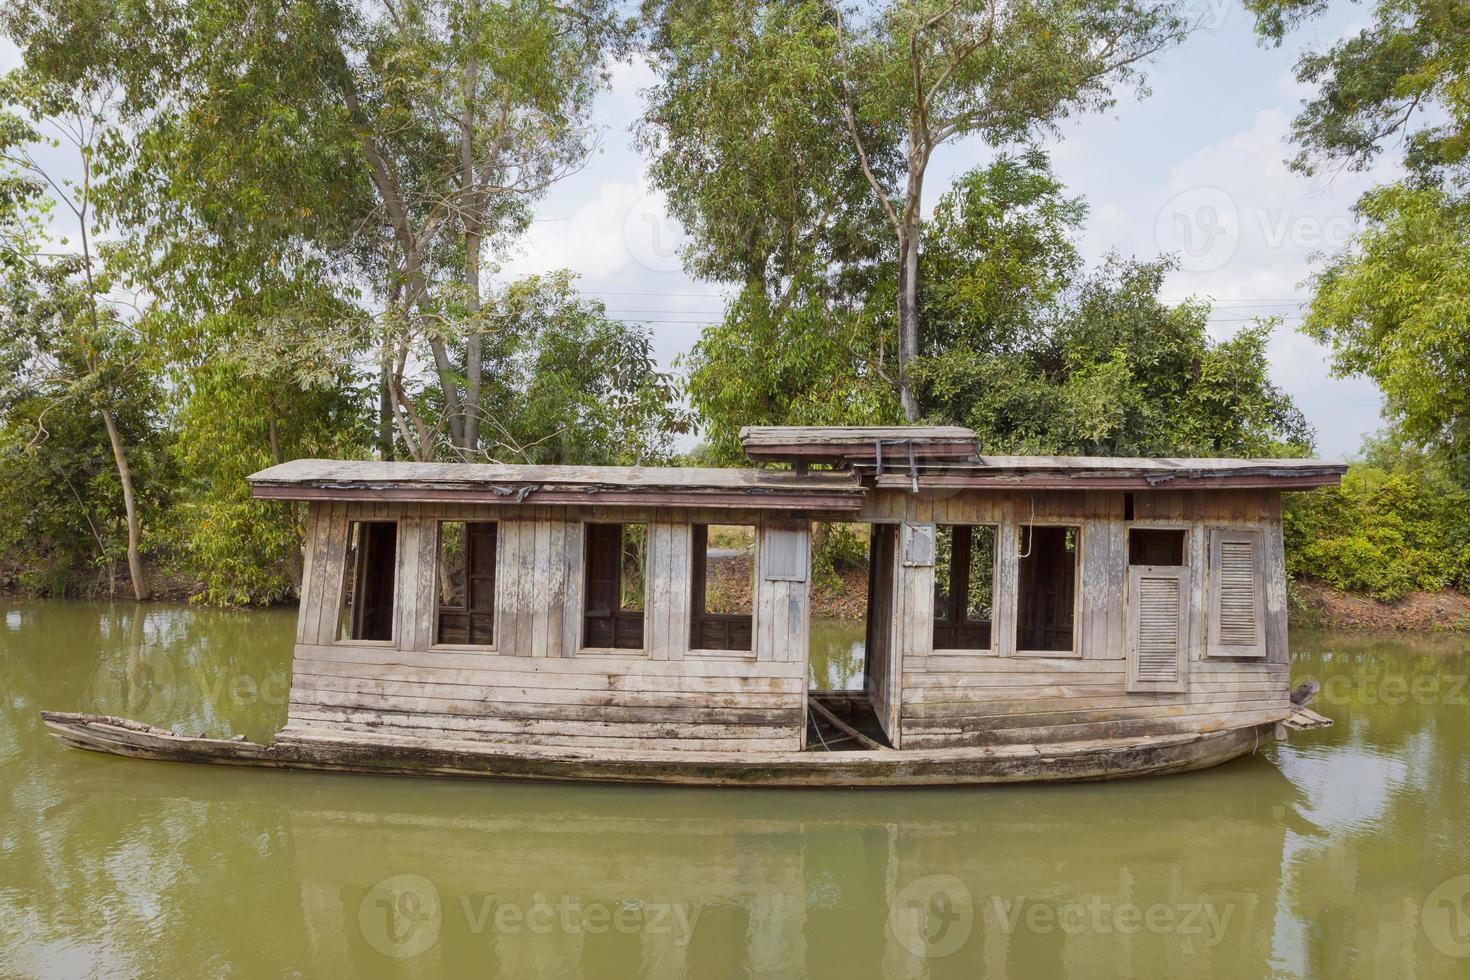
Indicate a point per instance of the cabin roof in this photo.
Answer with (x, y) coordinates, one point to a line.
(936, 456)
(1110, 472)
(328, 479)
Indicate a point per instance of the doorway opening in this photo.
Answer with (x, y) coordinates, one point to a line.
(848, 676)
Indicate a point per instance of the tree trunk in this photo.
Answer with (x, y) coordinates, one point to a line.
(385, 415)
(908, 318)
(473, 229)
(125, 476)
(908, 271)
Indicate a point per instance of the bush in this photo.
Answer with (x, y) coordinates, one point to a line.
(1397, 524)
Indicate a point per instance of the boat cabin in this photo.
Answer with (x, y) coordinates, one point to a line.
(1011, 600)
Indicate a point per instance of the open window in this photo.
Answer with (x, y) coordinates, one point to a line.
(722, 593)
(465, 583)
(1047, 586)
(615, 586)
(366, 612)
(964, 587)
(1156, 546)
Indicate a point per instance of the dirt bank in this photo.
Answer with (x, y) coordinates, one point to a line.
(1315, 604)
(102, 582)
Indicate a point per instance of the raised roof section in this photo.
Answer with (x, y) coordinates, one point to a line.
(829, 444)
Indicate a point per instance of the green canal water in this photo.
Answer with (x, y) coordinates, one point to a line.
(1345, 853)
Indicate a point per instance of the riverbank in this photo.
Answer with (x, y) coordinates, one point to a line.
(1321, 607)
(106, 582)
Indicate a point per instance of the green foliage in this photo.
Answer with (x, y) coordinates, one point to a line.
(1396, 524)
(1023, 347)
(817, 361)
(230, 424)
(745, 134)
(1396, 308)
(1392, 303)
(836, 549)
(62, 518)
(571, 385)
(62, 528)
(1398, 82)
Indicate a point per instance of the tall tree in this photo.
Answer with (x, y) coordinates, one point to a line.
(1025, 347)
(84, 345)
(1391, 304)
(929, 72)
(1039, 356)
(389, 143)
(892, 83)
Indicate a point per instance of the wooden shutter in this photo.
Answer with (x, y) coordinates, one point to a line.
(785, 552)
(1237, 594)
(1158, 628)
(918, 545)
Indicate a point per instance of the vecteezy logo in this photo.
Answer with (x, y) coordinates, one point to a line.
(1202, 225)
(130, 685)
(932, 916)
(400, 916)
(1446, 917)
(654, 239)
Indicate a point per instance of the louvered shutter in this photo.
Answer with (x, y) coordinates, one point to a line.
(1158, 628)
(1237, 594)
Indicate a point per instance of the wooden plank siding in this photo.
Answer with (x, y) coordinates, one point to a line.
(996, 697)
(537, 683)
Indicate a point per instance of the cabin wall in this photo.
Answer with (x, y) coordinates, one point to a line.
(537, 683)
(1004, 695)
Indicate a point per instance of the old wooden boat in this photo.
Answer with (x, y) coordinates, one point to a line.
(1028, 618)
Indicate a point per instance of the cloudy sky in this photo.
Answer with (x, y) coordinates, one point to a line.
(1195, 169)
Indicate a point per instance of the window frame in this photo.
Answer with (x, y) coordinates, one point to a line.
(756, 549)
(393, 629)
(1075, 652)
(583, 649)
(1186, 546)
(494, 644)
(994, 648)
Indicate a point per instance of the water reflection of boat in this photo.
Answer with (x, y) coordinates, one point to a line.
(379, 873)
(1029, 618)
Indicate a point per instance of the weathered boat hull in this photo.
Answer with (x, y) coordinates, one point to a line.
(1101, 759)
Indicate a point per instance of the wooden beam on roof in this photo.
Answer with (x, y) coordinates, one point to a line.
(832, 444)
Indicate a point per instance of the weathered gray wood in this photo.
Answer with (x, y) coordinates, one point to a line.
(1277, 645)
(785, 551)
(307, 686)
(376, 751)
(1158, 629)
(1237, 625)
(788, 714)
(916, 542)
(308, 569)
(666, 615)
(572, 585)
(334, 566)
